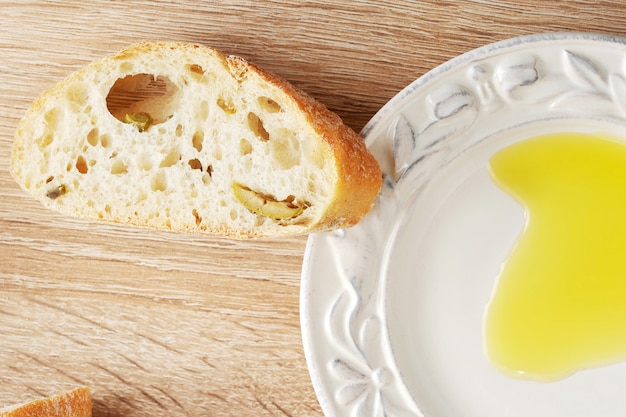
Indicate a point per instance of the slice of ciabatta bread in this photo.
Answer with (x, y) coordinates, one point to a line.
(177, 136)
(74, 403)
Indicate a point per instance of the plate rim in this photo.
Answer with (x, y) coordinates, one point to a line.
(386, 111)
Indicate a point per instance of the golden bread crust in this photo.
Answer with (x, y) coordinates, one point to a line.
(74, 403)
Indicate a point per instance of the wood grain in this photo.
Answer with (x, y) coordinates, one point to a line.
(165, 324)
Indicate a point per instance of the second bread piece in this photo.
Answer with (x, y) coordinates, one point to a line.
(74, 403)
(177, 136)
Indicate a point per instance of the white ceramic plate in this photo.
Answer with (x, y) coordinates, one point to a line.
(392, 309)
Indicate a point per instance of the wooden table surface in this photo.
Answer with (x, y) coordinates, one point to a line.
(163, 324)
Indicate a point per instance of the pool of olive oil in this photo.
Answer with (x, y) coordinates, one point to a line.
(559, 303)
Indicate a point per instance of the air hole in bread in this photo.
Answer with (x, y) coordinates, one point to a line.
(195, 164)
(226, 105)
(285, 149)
(126, 67)
(234, 215)
(217, 153)
(245, 147)
(93, 137)
(203, 110)
(144, 162)
(269, 105)
(179, 130)
(256, 126)
(119, 167)
(196, 71)
(172, 157)
(197, 140)
(159, 182)
(105, 140)
(52, 118)
(81, 165)
(76, 95)
(198, 218)
(206, 179)
(156, 96)
(45, 140)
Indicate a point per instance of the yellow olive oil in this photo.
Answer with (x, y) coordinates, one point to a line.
(559, 304)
